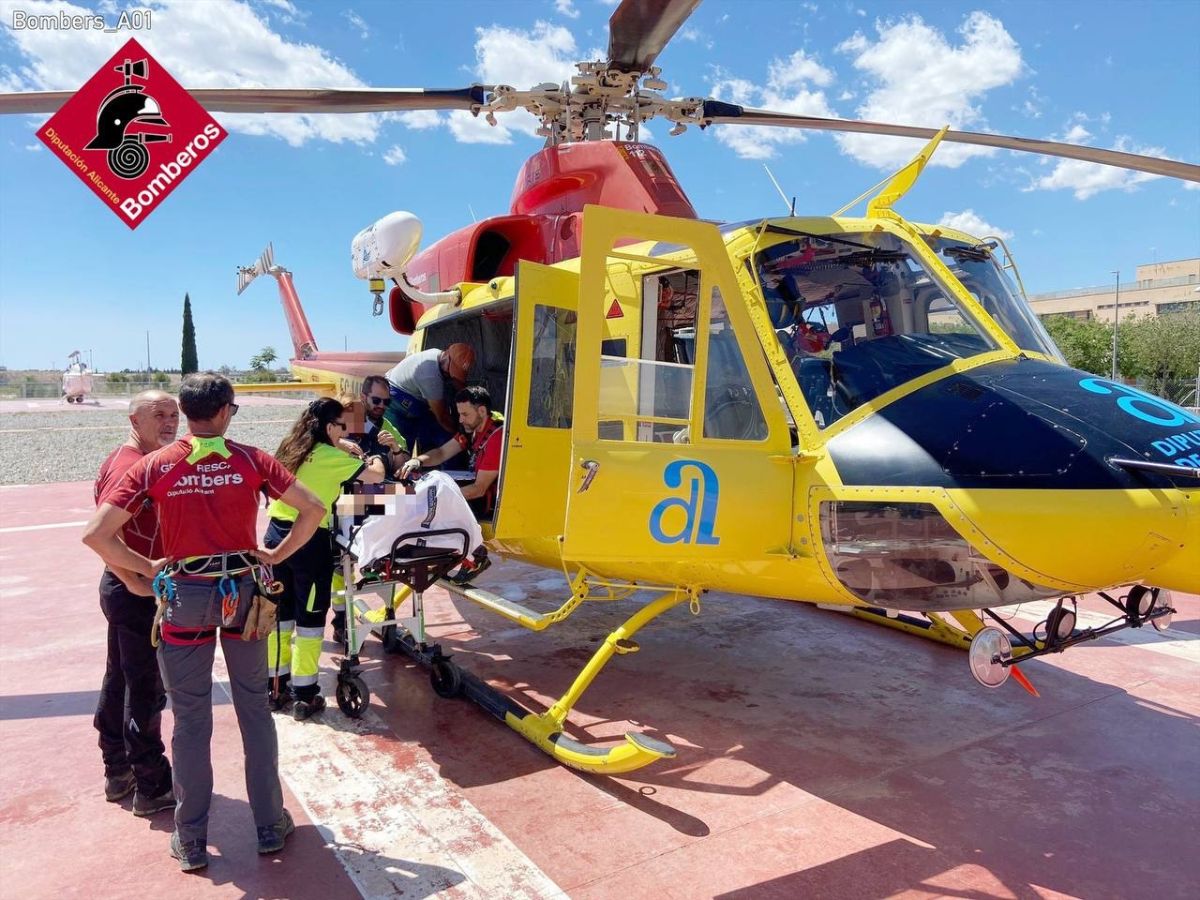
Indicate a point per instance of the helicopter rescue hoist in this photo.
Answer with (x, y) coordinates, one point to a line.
(855, 411)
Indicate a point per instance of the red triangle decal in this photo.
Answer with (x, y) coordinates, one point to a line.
(614, 311)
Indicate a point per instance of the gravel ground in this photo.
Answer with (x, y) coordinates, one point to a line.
(47, 441)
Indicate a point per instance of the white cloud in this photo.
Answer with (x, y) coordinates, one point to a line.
(690, 34)
(973, 224)
(469, 129)
(358, 22)
(566, 8)
(183, 39)
(1086, 179)
(420, 119)
(522, 59)
(787, 90)
(919, 78)
(394, 155)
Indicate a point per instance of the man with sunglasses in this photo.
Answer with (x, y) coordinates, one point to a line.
(380, 437)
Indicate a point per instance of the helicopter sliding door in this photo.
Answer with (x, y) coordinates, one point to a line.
(537, 455)
(681, 453)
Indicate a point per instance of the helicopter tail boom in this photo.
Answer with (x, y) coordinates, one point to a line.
(304, 345)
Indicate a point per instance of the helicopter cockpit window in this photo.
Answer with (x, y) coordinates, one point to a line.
(858, 315)
(977, 269)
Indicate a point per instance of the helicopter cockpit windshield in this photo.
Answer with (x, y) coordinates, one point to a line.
(857, 315)
(975, 267)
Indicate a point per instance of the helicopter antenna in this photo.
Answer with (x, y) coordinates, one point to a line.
(792, 205)
(863, 196)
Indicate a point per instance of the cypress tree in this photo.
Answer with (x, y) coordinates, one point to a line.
(189, 363)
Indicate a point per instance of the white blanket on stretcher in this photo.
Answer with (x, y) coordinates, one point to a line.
(437, 503)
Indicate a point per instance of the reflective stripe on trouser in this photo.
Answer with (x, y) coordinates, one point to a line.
(279, 649)
(338, 592)
(307, 657)
(306, 577)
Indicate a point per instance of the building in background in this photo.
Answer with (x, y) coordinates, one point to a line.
(1160, 289)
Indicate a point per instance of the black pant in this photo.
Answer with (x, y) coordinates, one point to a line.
(129, 713)
(306, 577)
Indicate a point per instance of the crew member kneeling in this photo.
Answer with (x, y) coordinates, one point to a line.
(483, 439)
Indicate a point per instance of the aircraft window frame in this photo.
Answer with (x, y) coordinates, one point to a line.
(849, 317)
(978, 270)
(552, 368)
(655, 398)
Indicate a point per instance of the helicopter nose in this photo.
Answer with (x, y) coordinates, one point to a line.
(1024, 450)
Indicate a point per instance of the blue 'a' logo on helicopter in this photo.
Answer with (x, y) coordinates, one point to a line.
(699, 509)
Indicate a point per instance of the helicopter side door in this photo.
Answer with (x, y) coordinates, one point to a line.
(537, 454)
(681, 455)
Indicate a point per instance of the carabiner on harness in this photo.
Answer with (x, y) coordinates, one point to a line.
(228, 588)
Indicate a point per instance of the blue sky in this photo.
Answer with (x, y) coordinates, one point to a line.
(73, 276)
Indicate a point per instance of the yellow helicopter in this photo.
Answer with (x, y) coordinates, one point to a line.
(858, 412)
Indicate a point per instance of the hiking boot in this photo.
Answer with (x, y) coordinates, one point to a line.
(148, 806)
(283, 699)
(271, 838)
(192, 855)
(306, 709)
(118, 787)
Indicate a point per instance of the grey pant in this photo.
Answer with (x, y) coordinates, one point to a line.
(187, 676)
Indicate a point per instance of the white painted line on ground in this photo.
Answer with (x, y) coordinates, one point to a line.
(16, 528)
(1178, 644)
(395, 825)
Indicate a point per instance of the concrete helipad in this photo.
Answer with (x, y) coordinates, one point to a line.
(818, 756)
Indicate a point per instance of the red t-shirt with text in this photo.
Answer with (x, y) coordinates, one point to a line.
(140, 532)
(206, 493)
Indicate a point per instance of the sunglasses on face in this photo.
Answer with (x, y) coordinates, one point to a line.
(377, 401)
(233, 408)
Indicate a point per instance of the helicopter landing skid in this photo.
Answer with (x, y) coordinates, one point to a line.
(546, 730)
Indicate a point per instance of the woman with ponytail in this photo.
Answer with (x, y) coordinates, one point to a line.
(311, 451)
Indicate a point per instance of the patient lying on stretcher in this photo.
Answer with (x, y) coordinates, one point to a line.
(378, 521)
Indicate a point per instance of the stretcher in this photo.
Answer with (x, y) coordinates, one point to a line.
(402, 541)
(408, 536)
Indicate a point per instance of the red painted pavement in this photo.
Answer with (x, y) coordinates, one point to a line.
(818, 755)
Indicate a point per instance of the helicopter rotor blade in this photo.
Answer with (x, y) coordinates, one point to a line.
(715, 112)
(288, 100)
(639, 29)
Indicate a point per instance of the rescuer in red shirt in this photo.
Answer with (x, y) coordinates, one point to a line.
(129, 711)
(486, 439)
(205, 491)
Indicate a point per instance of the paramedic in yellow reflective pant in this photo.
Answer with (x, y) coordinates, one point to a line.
(310, 451)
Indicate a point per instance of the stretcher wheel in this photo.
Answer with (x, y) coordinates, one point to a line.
(445, 677)
(353, 696)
